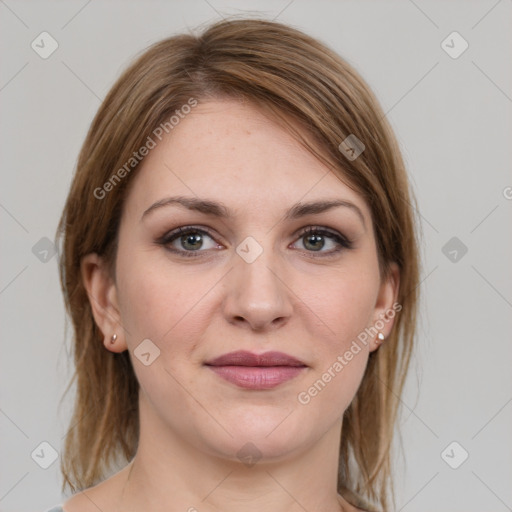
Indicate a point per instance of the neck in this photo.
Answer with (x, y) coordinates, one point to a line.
(169, 474)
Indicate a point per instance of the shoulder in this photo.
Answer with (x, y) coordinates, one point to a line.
(102, 496)
(90, 500)
(78, 503)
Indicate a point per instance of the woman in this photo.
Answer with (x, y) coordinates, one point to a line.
(240, 266)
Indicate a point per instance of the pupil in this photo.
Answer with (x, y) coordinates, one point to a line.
(192, 239)
(316, 241)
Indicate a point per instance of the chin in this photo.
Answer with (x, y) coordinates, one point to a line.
(263, 437)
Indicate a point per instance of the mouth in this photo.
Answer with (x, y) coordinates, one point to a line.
(256, 371)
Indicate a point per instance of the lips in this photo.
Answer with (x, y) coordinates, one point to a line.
(244, 358)
(256, 371)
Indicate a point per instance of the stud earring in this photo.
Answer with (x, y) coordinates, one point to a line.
(113, 339)
(380, 337)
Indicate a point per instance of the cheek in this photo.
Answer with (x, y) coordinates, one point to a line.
(156, 301)
(161, 305)
(340, 357)
(345, 307)
(343, 301)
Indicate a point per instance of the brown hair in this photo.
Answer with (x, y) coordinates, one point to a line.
(294, 76)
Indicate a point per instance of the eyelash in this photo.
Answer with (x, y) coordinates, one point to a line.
(342, 241)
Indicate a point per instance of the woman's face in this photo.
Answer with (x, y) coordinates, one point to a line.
(244, 274)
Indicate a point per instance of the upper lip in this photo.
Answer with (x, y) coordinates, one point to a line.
(244, 358)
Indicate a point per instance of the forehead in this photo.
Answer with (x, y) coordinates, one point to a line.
(232, 151)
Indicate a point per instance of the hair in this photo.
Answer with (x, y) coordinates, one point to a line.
(293, 77)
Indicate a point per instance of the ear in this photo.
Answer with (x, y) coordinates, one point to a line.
(102, 292)
(386, 306)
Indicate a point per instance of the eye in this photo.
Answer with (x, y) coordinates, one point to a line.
(315, 239)
(188, 240)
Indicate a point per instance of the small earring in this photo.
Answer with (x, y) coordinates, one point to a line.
(380, 337)
(113, 339)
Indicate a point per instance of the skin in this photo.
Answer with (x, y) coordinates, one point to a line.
(291, 299)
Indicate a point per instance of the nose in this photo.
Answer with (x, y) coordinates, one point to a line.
(258, 296)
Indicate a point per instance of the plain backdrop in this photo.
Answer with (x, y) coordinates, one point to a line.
(452, 113)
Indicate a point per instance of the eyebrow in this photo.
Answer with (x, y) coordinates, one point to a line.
(216, 209)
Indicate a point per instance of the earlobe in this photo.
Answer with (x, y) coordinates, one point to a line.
(386, 306)
(102, 294)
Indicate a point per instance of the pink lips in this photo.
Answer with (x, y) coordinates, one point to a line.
(256, 371)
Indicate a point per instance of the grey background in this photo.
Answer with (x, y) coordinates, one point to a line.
(453, 120)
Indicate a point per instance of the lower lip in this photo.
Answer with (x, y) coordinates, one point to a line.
(257, 377)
